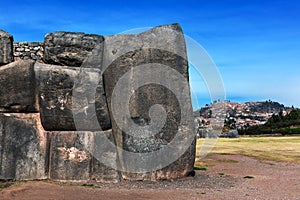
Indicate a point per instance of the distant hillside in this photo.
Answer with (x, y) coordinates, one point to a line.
(288, 124)
(248, 108)
(267, 107)
(239, 116)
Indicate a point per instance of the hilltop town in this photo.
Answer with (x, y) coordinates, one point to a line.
(233, 116)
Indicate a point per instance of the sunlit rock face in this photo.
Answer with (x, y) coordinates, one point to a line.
(18, 87)
(23, 147)
(69, 48)
(6, 48)
(158, 56)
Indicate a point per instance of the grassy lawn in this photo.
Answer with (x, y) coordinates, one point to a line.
(281, 149)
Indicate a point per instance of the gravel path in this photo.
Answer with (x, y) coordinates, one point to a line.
(227, 177)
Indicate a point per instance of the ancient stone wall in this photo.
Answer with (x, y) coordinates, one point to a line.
(28, 50)
(90, 107)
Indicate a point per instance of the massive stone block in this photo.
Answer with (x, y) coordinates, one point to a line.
(6, 48)
(23, 147)
(141, 71)
(68, 158)
(70, 99)
(75, 156)
(69, 48)
(105, 158)
(18, 88)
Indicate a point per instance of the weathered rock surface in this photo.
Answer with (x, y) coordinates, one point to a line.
(6, 48)
(69, 48)
(18, 88)
(70, 100)
(136, 118)
(74, 156)
(105, 158)
(135, 64)
(69, 160)
(23, 147)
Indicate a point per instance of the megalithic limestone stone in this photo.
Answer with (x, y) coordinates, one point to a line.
(70, 48)
(58, 108)
(74, 156)
(105, 158)
(68, 158)
(6, 48)
(18, 87)
(141, 71)
(23, 147)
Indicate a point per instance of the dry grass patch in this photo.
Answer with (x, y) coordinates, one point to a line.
(280, 149)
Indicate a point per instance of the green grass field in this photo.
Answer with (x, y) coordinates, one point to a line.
(281, 149)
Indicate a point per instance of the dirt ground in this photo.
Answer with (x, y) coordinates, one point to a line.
(226, 177)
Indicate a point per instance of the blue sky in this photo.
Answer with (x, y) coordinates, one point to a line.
(255, 44)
